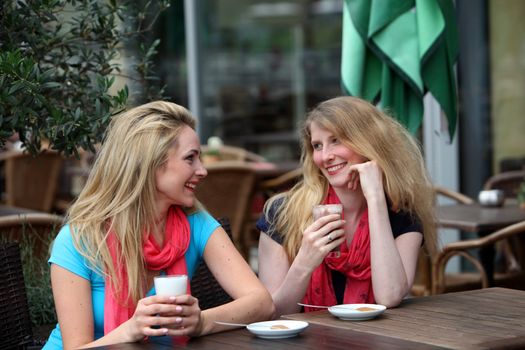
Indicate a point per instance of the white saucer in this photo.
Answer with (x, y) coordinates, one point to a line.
(265, 330)
(352, 312)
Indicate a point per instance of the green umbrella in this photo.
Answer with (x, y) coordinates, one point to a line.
(395, 51)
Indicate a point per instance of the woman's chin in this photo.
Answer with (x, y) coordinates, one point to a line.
(341, 180)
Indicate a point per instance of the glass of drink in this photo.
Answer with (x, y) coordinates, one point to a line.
(171, 285)
(327, 209)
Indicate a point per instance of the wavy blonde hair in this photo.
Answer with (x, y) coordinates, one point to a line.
(374, 135)
(119, 195)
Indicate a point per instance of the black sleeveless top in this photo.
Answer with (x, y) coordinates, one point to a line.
(400, 222)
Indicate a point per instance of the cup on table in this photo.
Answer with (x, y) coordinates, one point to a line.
(171, 285)
(491, 198)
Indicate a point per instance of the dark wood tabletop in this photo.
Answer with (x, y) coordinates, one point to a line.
(314, 337)
(477, 218)
(490, 318)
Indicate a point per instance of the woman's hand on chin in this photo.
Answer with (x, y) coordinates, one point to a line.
(369, 175)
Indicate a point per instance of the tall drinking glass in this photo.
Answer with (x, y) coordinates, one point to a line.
(328, 209)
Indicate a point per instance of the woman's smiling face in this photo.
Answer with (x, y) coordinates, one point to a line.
(177, 179)
(331, 156)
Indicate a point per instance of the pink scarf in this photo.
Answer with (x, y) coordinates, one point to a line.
(353, 262)
(169, 258)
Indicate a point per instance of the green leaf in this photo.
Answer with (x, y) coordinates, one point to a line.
(51, 85)
(57, 68)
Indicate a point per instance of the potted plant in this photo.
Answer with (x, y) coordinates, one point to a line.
(59, 61)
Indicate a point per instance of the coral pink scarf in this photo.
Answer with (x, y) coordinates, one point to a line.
(169, 258)
(353, 262)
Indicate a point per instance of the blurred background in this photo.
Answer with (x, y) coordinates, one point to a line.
(249, 71)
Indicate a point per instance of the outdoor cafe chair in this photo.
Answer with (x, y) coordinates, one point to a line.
(204, 286)
(15, 321)
(37, 229)
(510, 279)
(227, 192)
(508, 181)
(423, 279)
(31, 182)
(229, 153)
(265, 190)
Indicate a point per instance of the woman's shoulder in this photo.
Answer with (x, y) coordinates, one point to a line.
(200, 220)
(65, 254)
(275, 203)
(403, 222)
(64, 237)
(268, 219)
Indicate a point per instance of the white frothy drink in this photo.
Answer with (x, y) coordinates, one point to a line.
(171, 285)
(327, 209)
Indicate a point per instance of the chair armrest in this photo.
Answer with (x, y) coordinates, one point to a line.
(459, 197)
(288, 177)
(441, 261)
(461, 248)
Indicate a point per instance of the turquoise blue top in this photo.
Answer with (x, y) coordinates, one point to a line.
(65, 254)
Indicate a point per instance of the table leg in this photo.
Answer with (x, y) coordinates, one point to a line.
(487, 255)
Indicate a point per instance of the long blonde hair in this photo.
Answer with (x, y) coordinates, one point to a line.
(119, 195)
(374, 135)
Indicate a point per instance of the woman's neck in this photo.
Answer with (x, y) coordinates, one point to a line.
(354, 202)
(160, 228)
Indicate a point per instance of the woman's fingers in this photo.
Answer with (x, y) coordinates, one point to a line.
(353, 181)
(161, 315)
(185, 299)
(322, 221)
(334, 242)
(318, 233)
(334, 235)
(160, 309)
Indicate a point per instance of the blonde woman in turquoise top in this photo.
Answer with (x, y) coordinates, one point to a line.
(137, 217)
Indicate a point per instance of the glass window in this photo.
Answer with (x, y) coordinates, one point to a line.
(263, 65)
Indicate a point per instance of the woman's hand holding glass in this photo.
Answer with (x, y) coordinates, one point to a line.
(165, 315)
(322, 236)
(188, 316)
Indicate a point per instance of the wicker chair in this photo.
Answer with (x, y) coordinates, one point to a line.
(228, 153)
(511, 279)
(204, 286)
(15, 321)
(509, 182)
(265, 190)
(423, 281)
(31, 182)
(227, 192)
(40, 228)
(281, 183)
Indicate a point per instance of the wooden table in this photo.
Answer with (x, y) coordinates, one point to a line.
(492, 318)
(314, 337)
(476, 218)
(482, 220)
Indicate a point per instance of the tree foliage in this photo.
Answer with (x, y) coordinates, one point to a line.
(59, 60)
